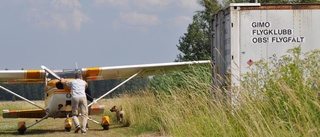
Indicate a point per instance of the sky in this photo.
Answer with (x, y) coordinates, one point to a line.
(91, 33)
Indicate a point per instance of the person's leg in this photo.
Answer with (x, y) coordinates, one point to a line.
(89, 108)
(75, 106)
(84, 114)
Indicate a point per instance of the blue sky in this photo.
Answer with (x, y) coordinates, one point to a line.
(91, 33)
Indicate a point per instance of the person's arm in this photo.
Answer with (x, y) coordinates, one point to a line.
(63, 80)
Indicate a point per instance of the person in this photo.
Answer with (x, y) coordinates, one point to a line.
(89, 100)
(79, 101)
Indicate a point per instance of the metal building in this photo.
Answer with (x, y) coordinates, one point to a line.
(244, 33)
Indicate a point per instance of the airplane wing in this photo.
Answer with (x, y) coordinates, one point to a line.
(21, 76)
(119, 72)
(97, 73)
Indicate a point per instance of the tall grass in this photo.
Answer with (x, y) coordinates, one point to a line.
(278, 98)
(286, 90)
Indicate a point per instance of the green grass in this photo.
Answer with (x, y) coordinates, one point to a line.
(55, 127)
(278, 98)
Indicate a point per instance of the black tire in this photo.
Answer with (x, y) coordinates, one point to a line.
(21, 131)
(105, 127)
(68, 129)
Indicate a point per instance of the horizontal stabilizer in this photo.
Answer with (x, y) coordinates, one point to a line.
(32, 113)
(96, 110)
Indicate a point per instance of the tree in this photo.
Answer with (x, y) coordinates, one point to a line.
(195, 44)
(99, 88)
(29, 91)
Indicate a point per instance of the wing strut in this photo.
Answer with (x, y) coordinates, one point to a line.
(38, 121)
(115, 87)
(22, 127)
(22, 98)
(51, 72)
(94, 121)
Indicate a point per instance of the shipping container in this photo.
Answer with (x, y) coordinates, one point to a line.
(244, 33)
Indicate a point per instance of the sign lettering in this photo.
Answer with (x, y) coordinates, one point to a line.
(263, 33)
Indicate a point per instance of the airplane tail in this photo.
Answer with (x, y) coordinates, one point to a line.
(32, 113)
(96, 110)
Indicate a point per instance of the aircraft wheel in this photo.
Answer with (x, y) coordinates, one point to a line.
(105, 127)
(22, 127)
(68, 129)
(21, 131)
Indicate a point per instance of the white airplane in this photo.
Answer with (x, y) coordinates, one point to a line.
(57, 96)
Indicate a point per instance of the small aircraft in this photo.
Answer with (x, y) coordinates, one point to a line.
(57, 96)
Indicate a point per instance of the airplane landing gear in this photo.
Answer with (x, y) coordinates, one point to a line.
(68, 124)
(21, 131)
(105, 127)
(105, 123)
(68, 129)
(22, 127)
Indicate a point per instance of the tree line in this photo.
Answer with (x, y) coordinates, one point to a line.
(193, 45)
(98, 88)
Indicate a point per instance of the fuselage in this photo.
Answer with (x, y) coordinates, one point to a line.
(57, 98)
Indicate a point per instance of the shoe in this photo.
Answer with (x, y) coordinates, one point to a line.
(77, 129)
(83, 133)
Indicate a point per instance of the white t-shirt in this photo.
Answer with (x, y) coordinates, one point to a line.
(78, 88)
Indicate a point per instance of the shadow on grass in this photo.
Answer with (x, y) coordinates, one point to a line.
(117, 126)
(33, 131)
(53, 131)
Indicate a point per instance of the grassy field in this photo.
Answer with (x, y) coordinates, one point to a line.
(55, 127)
(278, 98)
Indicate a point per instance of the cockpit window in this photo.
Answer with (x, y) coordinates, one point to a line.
(65, 73)
(59, 85)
